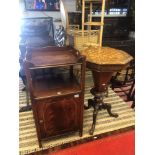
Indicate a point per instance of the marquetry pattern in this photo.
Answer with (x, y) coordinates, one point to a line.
(106, 55)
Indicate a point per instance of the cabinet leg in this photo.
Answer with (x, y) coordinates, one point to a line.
(40, 145)
(80, 133)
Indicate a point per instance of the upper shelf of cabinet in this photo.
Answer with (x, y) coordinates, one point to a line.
(52, 56)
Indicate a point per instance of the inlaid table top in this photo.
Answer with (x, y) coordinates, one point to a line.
(106, 58)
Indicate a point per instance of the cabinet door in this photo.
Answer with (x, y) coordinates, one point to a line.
(58, 116)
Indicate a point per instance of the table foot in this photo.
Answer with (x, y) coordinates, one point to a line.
(108, 108)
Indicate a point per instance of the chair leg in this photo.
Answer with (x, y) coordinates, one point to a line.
(131, 93)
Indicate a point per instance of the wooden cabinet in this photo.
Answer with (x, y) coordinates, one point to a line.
(56, 83)
(58, 115)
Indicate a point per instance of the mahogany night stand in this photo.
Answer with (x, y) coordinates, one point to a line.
(58, 96)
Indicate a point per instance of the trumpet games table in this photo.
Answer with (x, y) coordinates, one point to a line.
(103, 62)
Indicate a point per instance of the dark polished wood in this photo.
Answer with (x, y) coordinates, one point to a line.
(57, 115)
(52, 56)
(101, 80)
(103, 61)
(57, 96)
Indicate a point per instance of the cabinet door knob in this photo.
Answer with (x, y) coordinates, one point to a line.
(41, 121)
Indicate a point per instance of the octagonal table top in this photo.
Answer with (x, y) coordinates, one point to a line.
(106, 58)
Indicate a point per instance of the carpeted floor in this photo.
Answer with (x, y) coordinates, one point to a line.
(28, 142)
(120, 144)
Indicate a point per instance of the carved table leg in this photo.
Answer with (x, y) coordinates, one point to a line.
(108, 108)
(106, 91)
(98, 104)
(91, 103)
(95, 112)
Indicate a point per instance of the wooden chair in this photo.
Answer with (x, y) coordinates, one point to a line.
(126, 84)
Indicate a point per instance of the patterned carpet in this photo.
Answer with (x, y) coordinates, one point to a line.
(28, 142)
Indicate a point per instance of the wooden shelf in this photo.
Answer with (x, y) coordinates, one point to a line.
(52, 56)
(94, 23)
(52, 86)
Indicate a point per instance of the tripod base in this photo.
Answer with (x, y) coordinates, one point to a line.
(98, 104)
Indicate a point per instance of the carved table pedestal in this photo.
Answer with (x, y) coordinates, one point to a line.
(103, 62)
